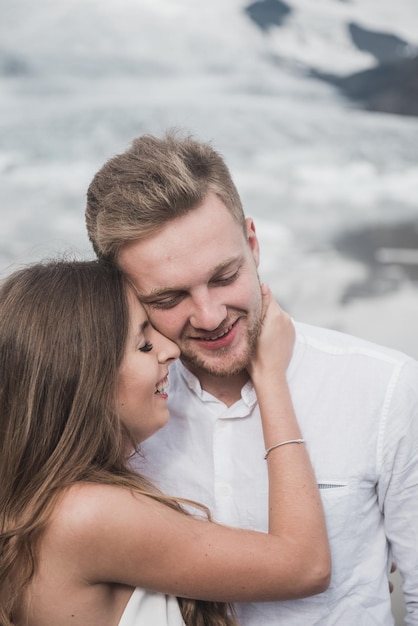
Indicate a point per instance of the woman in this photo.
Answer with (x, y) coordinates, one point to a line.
(83, 537)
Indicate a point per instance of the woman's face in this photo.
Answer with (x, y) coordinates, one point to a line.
(141, 396)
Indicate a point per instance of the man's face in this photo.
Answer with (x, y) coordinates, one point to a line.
(197, 278)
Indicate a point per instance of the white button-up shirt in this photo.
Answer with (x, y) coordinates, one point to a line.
(357, 405)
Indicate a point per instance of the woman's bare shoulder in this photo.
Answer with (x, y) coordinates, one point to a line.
(85, 511)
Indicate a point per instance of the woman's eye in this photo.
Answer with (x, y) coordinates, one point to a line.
(147, 347)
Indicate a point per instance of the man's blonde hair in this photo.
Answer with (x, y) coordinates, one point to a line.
(154, 181)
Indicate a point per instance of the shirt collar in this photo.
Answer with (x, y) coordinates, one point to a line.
(248, 395)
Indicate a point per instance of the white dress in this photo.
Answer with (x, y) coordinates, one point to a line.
(149, 608)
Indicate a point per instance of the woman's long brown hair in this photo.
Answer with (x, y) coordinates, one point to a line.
(63, 326)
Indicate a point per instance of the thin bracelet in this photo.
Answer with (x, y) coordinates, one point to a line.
(283, 443)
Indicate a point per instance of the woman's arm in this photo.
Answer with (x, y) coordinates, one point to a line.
(295, 507)
(111, 535)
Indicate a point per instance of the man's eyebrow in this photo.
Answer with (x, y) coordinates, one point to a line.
(167, 291)
(158, 293)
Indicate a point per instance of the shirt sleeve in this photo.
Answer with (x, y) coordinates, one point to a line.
(398, 484)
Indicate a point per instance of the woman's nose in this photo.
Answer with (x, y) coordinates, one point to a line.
(167, 350)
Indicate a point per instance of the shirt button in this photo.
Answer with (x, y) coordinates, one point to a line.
(226, 490)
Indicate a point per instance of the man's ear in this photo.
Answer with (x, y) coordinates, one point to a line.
(252, 239)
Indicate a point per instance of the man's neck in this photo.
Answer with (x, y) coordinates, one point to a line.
(227, 389)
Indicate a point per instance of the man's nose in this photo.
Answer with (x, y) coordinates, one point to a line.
(207, 312)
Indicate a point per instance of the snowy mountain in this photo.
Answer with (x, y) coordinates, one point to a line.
(390, 86)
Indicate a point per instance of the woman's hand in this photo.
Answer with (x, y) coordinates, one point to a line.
(275, 342)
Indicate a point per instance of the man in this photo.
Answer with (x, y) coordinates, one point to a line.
(169, 214)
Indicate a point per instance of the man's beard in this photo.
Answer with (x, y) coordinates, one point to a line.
(225, 364)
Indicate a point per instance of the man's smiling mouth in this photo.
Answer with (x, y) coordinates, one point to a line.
(218, 335)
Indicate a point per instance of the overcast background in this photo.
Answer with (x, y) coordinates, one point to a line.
(313, 104)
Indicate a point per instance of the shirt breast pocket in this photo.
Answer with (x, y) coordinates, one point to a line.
(337, 500)
(353, 520)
